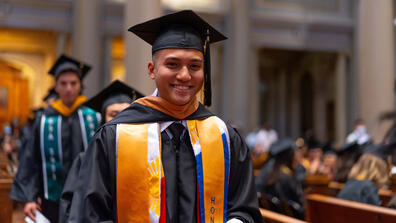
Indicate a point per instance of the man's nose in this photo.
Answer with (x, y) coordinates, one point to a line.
(68, 87)
(184, 74)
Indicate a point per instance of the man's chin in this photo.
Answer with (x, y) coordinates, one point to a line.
(68, 101)
(181, 102)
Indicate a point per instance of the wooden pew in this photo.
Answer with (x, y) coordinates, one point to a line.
(324, 209)
(317, 184)
(6, 203)
(385, 195)
(393, 182)
(273, 217)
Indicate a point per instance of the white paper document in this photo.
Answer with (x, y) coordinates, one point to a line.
(40, 218)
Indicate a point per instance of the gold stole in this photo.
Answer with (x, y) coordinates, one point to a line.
(140, 172)
(67, 111)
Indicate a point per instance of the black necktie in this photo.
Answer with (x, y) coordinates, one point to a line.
(177, 130)
(180, 175)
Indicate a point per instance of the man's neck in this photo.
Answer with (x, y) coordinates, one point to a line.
(69, 104)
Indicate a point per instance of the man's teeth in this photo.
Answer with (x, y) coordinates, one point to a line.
(181, 87)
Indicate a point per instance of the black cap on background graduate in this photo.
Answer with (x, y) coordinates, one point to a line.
(314, 145)
(328, 148)
(65, 63)
(390, 150)
(348, 147)
(116, 93)
(281, 146)
(51, 94)
(181, 30)
(376, 149)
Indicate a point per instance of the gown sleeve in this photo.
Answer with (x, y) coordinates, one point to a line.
(242, 196)
(94, 196)
(27, 184)
(68, 189)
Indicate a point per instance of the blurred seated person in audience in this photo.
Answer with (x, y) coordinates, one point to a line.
(251, 139)
(368, 175)
(314, 161)
(265, 137)
(347, 156)
(309, 144)
(9, 147)
(359, 133)
(327, 166)
(315, 155)
(277, 178)
(301, 160)
(321, 161)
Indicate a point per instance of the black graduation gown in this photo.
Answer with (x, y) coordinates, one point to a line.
(94, 198)
(363, 191)
(68, 189)
(286, 189)
(28, 182)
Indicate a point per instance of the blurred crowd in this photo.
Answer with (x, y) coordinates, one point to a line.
(11, 142)
(285, 169)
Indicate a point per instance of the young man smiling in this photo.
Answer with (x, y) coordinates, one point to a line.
(60, 132)
(178, 74)
(167, 158)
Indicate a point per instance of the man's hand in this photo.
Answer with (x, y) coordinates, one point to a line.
(30, 210)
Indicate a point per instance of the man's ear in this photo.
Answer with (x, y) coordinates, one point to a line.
(151, 68)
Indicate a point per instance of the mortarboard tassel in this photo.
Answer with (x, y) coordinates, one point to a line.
(207, 81)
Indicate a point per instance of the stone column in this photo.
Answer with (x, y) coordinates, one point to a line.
(236, 66)
(319, 105)
(375, 63)
(272, 99)
(60, 44)
(340, 99)
(295, 124)
(282, 100)
(107, 60)
(254, 92)
(138, 52)
(87, 39)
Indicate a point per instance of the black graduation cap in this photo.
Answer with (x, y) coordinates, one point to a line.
(314, 145)
(51, 94)
(348, 147)
(390, 150)
(67, 63)
(181, 30)
(116, 92)
(328, 147)
(282, 146)
(377, 150)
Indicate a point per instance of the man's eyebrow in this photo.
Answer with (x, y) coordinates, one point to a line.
(196, 60)
(177, 58)
(172, 58)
